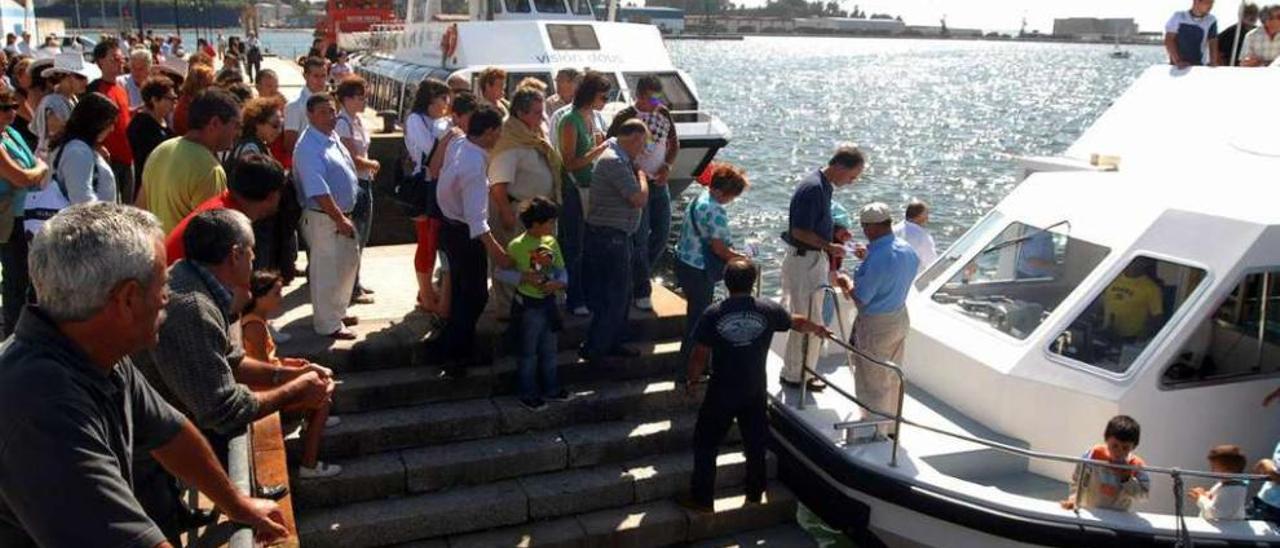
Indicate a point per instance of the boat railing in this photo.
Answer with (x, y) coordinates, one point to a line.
(850, 351)
(1176, 474)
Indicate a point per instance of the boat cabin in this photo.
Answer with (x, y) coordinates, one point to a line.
(1152, 291)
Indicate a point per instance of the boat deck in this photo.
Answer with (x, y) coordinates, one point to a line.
(922, 453)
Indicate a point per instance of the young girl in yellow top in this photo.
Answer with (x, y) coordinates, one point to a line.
(266, 287)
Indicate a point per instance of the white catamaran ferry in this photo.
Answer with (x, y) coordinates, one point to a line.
(1013, 368)
(536, 38)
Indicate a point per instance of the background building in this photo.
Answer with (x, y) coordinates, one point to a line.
(668, 20)
(17, 16)
(1089, 28)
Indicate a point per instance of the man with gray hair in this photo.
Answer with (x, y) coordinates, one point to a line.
(197, 365)
(139, 71)
(567, 80)
(74, 412)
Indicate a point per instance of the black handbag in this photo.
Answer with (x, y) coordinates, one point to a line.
(713, 265)
(416, 192)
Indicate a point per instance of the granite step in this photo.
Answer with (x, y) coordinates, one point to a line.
(399, 341)
(438, 467)
(506, 513)
(442, 422)
(401, 386)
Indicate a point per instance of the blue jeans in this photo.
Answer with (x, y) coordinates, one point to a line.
(362, 217)
(536, 365)
(650, 240)
(698, 292)
(570, 229)
(609, 296)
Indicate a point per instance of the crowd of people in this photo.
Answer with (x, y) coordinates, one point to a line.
(154, 210)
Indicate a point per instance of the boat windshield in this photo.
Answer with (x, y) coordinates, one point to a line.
(1020, 277)
(675, 94)
(550, 6)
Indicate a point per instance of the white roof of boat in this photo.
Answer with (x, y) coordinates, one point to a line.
(1202, 139)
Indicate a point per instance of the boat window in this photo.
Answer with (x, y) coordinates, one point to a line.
(517, 6)
(550, 6)
(1020, 277)
(454, 7)
(1119, 324)
(1240, 342)
(675, 94)
(971, 238)
(582, 7)
(569, 37)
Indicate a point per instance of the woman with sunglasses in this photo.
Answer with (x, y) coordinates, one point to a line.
(55, 108)
(151, 127)
(19, 170)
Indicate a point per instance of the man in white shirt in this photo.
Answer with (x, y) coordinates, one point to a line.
(24, 45)
(913, 230)
(295, 113)
(463, 196)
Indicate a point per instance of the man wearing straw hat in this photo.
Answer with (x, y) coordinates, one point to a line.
(880, 287)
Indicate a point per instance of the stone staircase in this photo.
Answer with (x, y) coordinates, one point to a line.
(432, 462)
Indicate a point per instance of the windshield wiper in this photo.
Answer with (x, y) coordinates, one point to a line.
(1020, 239)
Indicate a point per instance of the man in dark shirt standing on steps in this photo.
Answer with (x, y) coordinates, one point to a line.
(735, 333)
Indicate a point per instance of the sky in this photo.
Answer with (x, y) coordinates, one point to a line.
(1007, 14)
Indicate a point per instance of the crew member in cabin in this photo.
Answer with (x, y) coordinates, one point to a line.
(1097, 486)
(659, 155)
(734, 336)
(1262, 45)
(810, 241)
(1191, 36)
(912, 230)
(880, 286)
(493, 90)
(619, 192)
(1133, 305)
(74, 411)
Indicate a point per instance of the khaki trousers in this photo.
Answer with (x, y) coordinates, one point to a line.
(333, 260)
(801, 277)
(882, 336)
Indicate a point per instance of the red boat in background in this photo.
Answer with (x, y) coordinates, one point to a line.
(356, 16)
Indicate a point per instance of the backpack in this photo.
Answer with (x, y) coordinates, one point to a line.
(43, 204)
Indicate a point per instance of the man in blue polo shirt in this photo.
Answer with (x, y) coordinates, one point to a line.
(880, 287)
(810, 240)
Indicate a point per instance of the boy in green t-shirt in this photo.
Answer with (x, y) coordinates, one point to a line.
(535, 318)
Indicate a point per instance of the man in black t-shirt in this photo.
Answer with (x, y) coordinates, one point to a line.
(735, 334)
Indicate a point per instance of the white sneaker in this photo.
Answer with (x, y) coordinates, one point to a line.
(321, 470)
(644, 303)
(280, 337)
(581, 311)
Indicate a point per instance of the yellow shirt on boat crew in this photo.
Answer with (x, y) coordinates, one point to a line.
(1128, 302)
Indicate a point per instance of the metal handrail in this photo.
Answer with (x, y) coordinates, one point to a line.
(850, 352)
